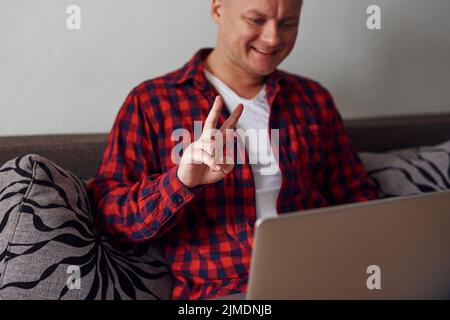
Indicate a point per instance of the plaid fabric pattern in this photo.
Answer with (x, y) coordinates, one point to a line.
(208, 230)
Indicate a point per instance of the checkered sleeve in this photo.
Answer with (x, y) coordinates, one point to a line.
(346, 180)
(135, 201)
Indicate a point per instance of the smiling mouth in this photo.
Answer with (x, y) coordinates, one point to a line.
(268, 53)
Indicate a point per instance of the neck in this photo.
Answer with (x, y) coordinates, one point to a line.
(238, 80)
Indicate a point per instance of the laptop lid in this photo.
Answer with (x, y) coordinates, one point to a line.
(396, 248)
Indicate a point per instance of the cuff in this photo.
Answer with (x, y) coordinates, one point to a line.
(174, 192)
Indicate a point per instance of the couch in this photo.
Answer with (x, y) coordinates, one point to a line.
(51, 249)
(371, 134)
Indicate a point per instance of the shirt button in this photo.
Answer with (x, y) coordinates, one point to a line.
(178, 198)
(247, 184)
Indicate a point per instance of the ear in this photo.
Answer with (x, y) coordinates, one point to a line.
(216, 10)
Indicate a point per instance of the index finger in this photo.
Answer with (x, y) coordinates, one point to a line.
(214, 114)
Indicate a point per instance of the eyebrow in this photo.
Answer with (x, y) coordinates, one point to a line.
(256, 12)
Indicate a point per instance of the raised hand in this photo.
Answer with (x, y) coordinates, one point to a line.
(199, 164)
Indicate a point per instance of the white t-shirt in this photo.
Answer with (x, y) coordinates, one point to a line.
(256, 116)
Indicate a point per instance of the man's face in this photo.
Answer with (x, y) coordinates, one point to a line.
(257, 35)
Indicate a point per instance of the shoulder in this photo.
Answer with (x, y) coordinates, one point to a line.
(305, 85)
(156, 87)
(313, 95)
(154, 97)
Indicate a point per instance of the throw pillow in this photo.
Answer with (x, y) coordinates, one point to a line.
(410, 171)
(51, 249)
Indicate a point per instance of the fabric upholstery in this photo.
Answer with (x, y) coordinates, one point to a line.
(48, 237)
(410, 171)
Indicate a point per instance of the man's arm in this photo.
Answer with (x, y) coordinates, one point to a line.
(134, 199)
(345, 179)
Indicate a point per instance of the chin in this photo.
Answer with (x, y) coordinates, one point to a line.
(263, 71)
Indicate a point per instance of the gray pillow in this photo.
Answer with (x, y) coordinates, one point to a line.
(410, 171)
(51, 249)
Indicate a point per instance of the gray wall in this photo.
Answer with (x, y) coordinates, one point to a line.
(53, 80)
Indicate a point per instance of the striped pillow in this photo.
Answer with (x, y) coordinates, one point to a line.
(50, 247)
(410, 171)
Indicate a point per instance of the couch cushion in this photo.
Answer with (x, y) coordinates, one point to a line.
(48, 240)
(410, 171)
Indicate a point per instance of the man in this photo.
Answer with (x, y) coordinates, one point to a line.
(204, 207)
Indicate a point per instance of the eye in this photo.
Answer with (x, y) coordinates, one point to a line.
(289, 24)
(257, 21)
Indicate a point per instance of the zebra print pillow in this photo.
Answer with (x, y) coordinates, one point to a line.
(410, 171)
(50, 248)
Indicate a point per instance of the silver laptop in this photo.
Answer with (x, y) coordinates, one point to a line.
(397, 248)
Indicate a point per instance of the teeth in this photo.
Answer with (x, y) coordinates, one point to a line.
(264, 52)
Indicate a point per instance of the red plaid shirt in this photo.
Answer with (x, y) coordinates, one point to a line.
(208, 231)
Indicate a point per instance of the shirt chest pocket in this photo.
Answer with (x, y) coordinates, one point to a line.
(305, 147)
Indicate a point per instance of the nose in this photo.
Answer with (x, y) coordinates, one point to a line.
(271, 34)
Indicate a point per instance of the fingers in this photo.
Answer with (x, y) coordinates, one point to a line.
(204, 150)
(206, 154)
(209, 146)
(214, 114)
(198, 155)
(209, 161)
(233, 119)
(211, 121)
